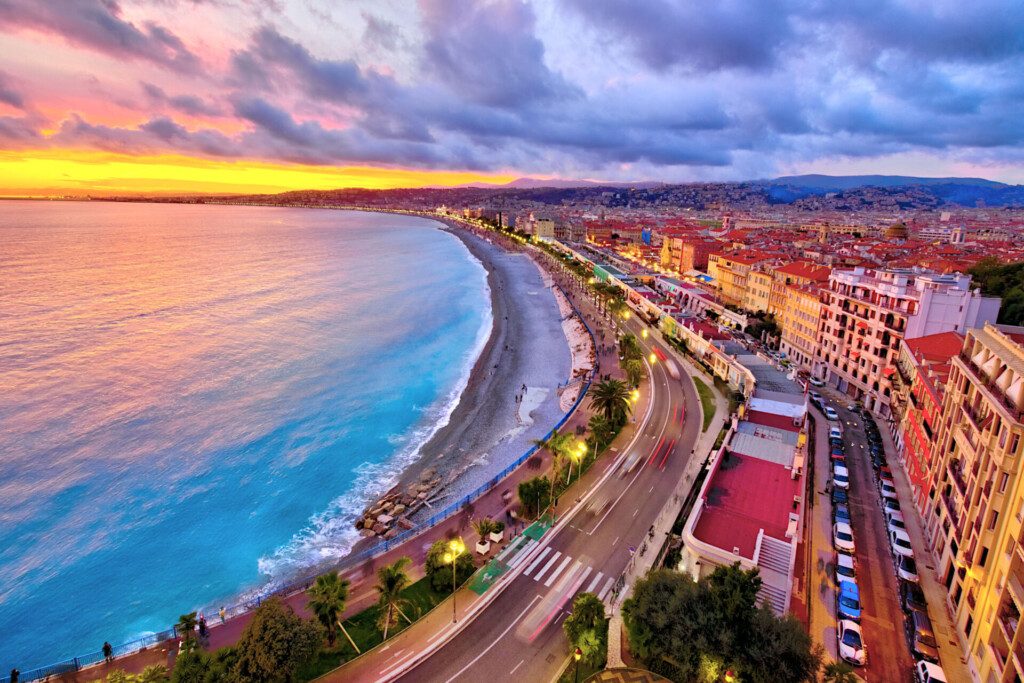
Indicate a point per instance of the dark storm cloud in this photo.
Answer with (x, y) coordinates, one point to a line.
(97, 24)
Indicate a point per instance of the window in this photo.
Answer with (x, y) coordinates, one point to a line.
(1014, 442)
(993, 519)
(983, 558)
(1004, 479)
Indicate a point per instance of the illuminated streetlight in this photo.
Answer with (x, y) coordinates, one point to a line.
(652, 358)
(634, 395)
(456, 547)
(643, 333)
(576, 655)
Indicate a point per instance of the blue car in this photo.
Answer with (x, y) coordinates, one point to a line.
(848, 602)
(841, 513)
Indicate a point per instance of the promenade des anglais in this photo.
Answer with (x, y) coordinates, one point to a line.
(451, 341)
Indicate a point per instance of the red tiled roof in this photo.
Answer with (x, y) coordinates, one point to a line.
(744, 496)
(771, 420)
(936, 348)
(806, 270)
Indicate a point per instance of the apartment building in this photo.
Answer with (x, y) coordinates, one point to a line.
(799, 320)
(683, 252)
(867, 313)
(759, 288)
(795, 273)
(976, 516)
(919, 383)
(730, 272)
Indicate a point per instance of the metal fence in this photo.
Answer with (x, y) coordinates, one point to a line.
(301, 584)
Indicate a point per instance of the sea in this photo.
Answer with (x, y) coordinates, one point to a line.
(198, 400)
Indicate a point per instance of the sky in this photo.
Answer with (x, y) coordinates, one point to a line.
(168, 96)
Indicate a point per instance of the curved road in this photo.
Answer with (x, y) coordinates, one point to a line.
(518, 636)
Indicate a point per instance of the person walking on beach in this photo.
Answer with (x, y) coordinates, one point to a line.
(108, 652)
(223, 615)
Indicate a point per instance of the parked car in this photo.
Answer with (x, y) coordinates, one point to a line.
(926, 672)
(878, 460)
(846, 567)
(831, 414)
(912, 597)
(921, 637)
(835, 433)
(840, 476)
(885, 474)
(891, 504)
(900, 543)
(851, 643)
(887, 491)
(839, 496)
(838, 459)
(816, 398)
(875, 449)
(841, 513)
(816, 382)
(842, 538)
(894, 521)
(835, 441)
(906, 569)
(848, 601)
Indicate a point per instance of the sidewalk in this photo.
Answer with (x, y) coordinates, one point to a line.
(491, 504)
(820, 587)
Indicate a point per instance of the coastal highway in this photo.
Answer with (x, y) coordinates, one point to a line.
(518, 636)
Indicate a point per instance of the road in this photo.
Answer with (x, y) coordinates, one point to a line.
(882, 619)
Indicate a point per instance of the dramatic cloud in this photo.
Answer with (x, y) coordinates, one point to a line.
(97, 24)
(663, 89)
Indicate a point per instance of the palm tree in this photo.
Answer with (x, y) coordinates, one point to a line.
(327, 598)
(483, 526)
(559, 445)
(600, 430)
(186, 626)
(839, 672)
(634, 371)
(392, 579)
(611, 398)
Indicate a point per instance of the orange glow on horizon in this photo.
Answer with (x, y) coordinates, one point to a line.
(40, 173)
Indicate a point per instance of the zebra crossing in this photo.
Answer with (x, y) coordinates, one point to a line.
(551, 565)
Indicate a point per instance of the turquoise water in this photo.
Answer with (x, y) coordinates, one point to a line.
(195, 400)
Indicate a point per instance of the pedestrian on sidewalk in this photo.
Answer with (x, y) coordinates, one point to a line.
(14, 675)
(203, 630)
(108, 652)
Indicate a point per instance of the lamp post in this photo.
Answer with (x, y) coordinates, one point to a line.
(577, 653)
(581, 449)
(455, 548)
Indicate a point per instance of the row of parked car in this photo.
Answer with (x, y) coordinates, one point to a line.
(920, 636)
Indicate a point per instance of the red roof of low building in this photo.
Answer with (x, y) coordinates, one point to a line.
(771, 420)
(746, 495)
(806, 270)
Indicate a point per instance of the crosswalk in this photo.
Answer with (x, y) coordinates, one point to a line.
(551, 565)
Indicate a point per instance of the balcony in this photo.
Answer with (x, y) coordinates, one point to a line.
(1016, 592)
(997, 394)
(957, 477)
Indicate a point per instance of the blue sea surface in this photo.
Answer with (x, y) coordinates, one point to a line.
(195, 400)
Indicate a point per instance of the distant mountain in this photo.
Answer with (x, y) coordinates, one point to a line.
(833, 183)
(527, 183)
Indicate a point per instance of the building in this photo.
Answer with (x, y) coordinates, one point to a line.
(750, 507)
(867, 313)
(759, 289)
(795, 273)
(544, 228)
(730, 272)
(799, 319)
(683, 252)
(976, 515)
(922, 369)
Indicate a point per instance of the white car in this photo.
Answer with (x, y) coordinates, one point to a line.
(851, 643)
(896, 524)
(887, 491)
(831, 414)
(815, 382)
(816, 397)
(835, 433)
(906, 569)
(845, 567)
(841, 477)
(842, 538)
(926, 672)
(900, 543)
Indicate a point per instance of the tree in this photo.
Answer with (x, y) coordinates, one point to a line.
(838, 672)
(275, 643)
(634, 369)
(630, 348)
(154, 673)
(186, 626)
(534, 494)
(587, 628)
(559, 444)
(688, 630)
(439, 572)
(601, 432)
(392, 579)
(327, 598)
(611, 398)
(193, 665)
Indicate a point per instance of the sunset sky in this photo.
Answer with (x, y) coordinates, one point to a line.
(158, 96)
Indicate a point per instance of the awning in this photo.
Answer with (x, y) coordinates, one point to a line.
(861, 324)
(886, 372)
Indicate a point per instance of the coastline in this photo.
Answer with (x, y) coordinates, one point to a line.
(494, 420)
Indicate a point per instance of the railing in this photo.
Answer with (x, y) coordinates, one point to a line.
(997, 393)
(301, 584)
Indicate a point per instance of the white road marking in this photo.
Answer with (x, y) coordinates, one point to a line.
(557, 571)
(616, 540)
(604, 591)
(496, 640)
(516, 667)
(523, 554)
(546, 567)
(533, 565)
(585, 574)
(593, 584)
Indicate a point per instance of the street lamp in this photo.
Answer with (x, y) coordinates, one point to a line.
(455, 548)
(581, 450)
(652, 358)
(643, 333)
(577, 653)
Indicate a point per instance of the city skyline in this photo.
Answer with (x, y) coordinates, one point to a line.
(182, 97)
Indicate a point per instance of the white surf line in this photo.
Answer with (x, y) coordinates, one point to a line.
(496, 640)
(540, 558)
(540, 574)
(554, 574)
(593, 584)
